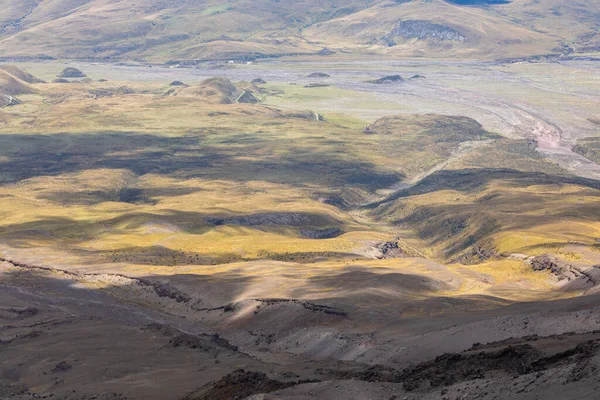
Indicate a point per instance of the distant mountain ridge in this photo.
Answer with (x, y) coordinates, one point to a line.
(217, 29)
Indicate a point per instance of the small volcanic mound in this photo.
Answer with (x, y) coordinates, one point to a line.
(20, 74)
(213, 90)
(258, 81)
(71, 72)
(11, 85)
(388, 79)
(319, 75)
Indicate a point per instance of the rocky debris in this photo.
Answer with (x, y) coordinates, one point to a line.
(375, 373)
(258, 81)
(316, 85)
(476, 255)
(318, 75)
(390, 250)
(424, 30)
(328, 233)
(8, 100)
(307, 305)
(16, 313)
(240, 384)
(383, 250)
(62, 366)
(594, 120)
(247, 97)
(177, 83)
(573, 277)
(164, 290)
(205, 343)
(388, 79)
(71, 72)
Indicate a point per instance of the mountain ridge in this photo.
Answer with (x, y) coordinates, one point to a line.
(157, 30)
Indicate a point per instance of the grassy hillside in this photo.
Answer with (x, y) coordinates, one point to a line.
(424, 28)
(186, 29)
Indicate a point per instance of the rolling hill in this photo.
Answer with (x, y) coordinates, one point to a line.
(188, 30)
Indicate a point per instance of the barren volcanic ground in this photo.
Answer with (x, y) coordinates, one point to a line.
(300, 230)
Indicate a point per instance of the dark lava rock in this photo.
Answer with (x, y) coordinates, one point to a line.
(7, 100)
(240, 384)
(177, 83)
(60, 80)
(62, 366)
(417, 76)
(258, 81)
(522, 359)
(318, 75)
(71, 72)
(325, 52)
(388, 79)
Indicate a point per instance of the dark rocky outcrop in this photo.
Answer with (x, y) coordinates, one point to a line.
(557, 267)
(390, 250)
(177, 83)
(425, 30)
(247, 97)
(62, 366)
(240, 384)
(258, 81)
